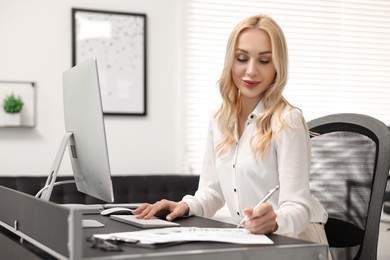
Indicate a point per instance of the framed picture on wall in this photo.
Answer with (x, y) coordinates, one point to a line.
(118, 41)
(17, 104)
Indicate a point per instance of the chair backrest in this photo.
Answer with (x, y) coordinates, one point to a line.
(349, 169)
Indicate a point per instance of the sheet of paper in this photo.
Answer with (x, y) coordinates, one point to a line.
(228, 235)
(176, 234)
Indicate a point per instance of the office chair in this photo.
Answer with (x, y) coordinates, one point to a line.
(386, 204)
(349, 170)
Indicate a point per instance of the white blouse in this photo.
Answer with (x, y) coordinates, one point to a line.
(241, 181)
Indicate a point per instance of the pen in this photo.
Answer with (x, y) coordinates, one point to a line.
(265, 198)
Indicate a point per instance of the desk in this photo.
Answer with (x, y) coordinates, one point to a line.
(283, 247)
(79, 248)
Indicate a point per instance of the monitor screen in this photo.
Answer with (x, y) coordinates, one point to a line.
(87, 145)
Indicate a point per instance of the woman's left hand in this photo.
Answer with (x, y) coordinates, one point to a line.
(262, 220)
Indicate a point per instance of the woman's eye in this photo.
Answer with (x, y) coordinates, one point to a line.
(264, 62)
(242, 59)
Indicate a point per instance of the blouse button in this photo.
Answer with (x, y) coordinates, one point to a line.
(235, 190)
(234, 166)
(238, 213)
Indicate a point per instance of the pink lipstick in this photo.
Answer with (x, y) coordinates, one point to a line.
(251, 83)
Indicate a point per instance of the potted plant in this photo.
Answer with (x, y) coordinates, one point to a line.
(12, 106)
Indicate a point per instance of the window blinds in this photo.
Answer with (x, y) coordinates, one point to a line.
(339, 59)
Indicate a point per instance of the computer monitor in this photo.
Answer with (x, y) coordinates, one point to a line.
(85, 134)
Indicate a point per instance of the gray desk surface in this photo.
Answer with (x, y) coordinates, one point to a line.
(49, 230)
(283, 247)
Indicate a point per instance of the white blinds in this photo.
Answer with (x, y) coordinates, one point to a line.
(339, 59)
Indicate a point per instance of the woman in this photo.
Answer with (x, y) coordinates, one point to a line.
(256, 141)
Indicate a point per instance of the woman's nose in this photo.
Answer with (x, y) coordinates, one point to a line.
(251, 70)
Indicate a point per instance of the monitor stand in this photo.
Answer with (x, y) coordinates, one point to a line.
(46, 191)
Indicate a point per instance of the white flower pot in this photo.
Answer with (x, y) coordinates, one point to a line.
(12, 119)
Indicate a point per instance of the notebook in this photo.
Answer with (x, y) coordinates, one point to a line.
(144, 223)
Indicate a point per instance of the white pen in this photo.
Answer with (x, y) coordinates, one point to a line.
(266, 197)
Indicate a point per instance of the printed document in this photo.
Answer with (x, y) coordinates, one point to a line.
(178, 234)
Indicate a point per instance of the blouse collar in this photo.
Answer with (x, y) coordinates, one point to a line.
(258, 109)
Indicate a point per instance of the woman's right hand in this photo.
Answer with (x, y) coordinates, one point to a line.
(174, 209)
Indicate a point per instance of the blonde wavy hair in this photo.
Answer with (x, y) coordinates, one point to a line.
(273, 99)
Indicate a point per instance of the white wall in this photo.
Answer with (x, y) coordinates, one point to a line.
(35, 45)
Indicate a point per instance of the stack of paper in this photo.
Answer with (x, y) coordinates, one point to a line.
(180, 234)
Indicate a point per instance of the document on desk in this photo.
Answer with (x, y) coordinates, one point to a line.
(180, 234)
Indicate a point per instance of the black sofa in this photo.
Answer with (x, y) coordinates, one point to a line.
(127, 189)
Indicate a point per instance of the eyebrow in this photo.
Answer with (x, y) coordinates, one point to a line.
(260, 53)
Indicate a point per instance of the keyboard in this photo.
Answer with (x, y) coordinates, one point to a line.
(144, 223)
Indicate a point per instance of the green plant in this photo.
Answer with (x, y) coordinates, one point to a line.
(13, 104)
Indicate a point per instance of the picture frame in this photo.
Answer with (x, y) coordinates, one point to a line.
(118, 41)
(23, 91)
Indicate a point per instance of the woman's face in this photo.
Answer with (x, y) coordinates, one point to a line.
(253, 70)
